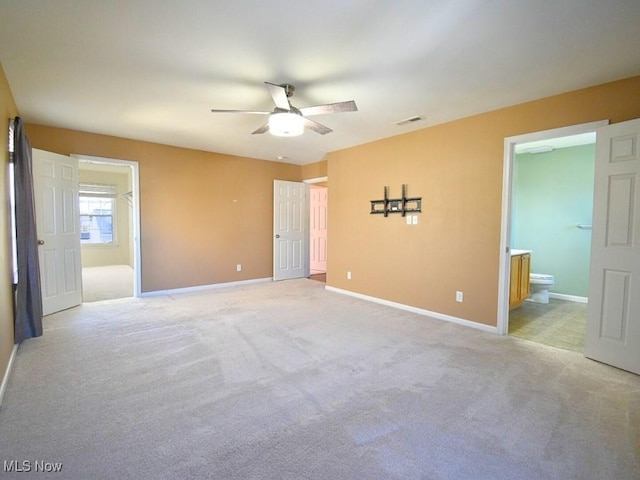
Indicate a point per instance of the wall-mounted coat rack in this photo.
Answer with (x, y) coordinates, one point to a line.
(402, 205)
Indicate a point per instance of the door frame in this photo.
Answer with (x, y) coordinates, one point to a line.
(507, 193)
(135, 192)
(311, 181)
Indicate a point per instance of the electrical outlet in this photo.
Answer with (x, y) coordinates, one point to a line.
(408, 219)
(414, 219)
(459, 297)
(238, 268)
(348, 275)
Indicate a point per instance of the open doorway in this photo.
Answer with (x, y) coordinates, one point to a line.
(546, 226)
(108, 224)
(551, 217)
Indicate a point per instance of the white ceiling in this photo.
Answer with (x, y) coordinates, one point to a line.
(153, 69)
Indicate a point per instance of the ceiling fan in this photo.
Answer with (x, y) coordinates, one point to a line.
(286, 120)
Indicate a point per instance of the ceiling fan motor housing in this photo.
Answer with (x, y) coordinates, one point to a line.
(288, 89)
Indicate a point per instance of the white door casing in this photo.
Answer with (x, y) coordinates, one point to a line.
(290, 230)
(505, 229)
(55, 180)
(613, 314)
(318, 197)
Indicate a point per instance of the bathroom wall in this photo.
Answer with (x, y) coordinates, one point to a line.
(553, 192)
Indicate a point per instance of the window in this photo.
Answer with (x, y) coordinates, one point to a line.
(97, 210)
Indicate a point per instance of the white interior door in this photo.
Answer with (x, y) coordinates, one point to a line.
(55, 179)
(613, 315)
(318, 228)
(290, 230)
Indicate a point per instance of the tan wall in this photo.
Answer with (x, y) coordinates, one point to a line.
(201, 213)
(118, 252)
(457, 170)
(8, 110)
(314, 170)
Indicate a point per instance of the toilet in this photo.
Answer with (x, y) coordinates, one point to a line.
(539, 284)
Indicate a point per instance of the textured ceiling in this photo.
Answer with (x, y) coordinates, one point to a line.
(153, 69)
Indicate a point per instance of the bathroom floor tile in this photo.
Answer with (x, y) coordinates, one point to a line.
(559, 323)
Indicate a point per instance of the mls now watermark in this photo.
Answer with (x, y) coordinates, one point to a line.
(17, 466)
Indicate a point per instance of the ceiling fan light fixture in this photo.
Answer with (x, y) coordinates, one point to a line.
(286, 124)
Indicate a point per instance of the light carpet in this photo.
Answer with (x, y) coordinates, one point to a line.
(107, 283)
(289, 381)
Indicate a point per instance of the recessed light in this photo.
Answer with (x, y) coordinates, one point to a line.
(539, 149)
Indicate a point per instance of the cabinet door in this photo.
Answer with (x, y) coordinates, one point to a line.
(525, 270)
(514, 281)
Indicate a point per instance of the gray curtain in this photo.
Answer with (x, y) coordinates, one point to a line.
(28, 311)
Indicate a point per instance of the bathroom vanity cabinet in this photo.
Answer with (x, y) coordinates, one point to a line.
(519, 280)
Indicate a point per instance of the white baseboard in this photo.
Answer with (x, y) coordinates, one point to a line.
(7, 373)
(201, 288)
(569, 298)
(419, 311)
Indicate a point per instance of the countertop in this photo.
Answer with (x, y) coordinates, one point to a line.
(519, 252)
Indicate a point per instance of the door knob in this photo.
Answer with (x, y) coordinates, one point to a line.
(277, 236)
(40, 242)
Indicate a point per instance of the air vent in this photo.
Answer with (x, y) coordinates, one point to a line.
(409, 120)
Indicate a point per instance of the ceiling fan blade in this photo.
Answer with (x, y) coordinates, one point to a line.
(215, 110)
(264, 128)
(279, 94)
(316, 127)
(339, 107)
